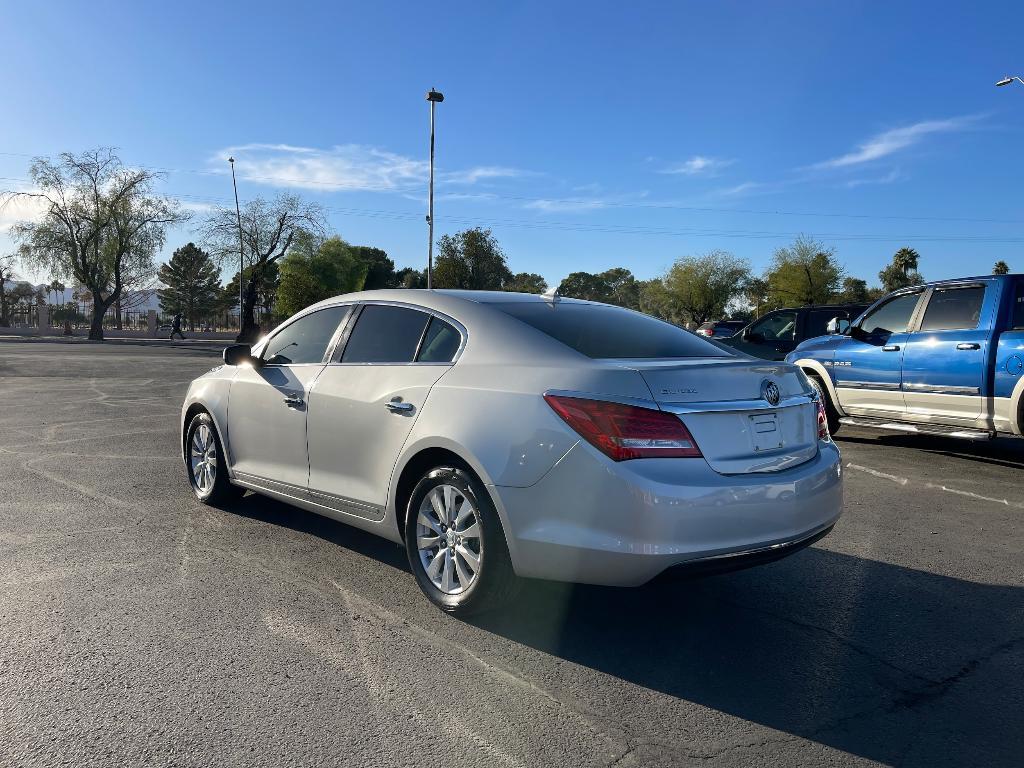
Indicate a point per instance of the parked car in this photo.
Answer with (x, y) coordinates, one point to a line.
(501, 435)
(720, 329)
(943, 358)
(776, 334)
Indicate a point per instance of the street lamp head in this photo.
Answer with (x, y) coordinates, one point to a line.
(231, 160)
(433, 95)
(1005, 81)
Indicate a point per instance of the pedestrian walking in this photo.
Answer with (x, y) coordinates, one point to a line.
(176, 326)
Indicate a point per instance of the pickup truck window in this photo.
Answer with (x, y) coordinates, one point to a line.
(954, 309)
(778, 326)
(1018, 306)
(892, 317)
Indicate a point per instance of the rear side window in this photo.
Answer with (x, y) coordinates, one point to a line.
(385, 334)
(600, 331)
(440, 343)
(954, 309)
(892, 317)
(1018, 306)
(305, 340)
(778, 326)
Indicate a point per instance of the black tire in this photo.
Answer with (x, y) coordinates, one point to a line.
(494, 583)
(831, 414)
(220, 491)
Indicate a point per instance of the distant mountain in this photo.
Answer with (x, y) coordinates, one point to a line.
(149, 301)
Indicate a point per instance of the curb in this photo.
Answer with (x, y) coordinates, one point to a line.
(199, 346)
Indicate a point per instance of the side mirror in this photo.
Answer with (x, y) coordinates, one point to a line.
(837, 325)
(237, 354)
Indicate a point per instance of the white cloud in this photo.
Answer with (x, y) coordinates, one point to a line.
(746, 188)
(892, 176)
(567, 205)
(891, 141)
(698, 165)
(354, 167)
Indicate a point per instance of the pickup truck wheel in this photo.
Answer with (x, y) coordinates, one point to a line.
(831, 414)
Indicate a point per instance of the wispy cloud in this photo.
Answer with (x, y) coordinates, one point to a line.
(698, 165)
(354, 167)
(891, 177)
(896, 139)
(746, 188)
(591, 204)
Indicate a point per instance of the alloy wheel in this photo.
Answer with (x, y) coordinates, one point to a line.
(448, 539)
(203, 458)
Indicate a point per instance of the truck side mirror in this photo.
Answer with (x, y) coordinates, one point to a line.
(837, 325)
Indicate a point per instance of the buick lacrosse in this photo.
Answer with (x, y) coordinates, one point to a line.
(501, 435)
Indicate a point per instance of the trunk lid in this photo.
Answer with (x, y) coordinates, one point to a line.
(725, 404)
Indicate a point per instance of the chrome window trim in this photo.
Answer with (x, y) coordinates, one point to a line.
(463, 334)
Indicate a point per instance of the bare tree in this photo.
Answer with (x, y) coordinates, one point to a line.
(101, 223)
(268, 231)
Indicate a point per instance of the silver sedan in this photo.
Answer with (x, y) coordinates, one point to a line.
(501, 436)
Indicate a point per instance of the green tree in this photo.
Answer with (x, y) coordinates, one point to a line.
(407, 277)
(472, 260)
(380, 269)
(1001, 268)
(192, 284)
(268, 230)
(902, 271)
(317, 269)
(854, 291)
(265, 297)
(614, 286)
(805, 272)
(697, 288)
(757, 294)
(6, 274)
(101, 222)
(526, 282)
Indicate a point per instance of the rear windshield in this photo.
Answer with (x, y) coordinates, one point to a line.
(601, 331)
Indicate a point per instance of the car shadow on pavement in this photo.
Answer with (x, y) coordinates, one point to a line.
(896, 665)
(885, 662)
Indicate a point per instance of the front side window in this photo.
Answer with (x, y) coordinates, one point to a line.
(778, 326)
(306, 339)
(605, 332)
(892, 317)
(954, 309)
(385, 334)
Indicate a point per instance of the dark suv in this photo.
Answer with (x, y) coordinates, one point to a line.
(775, 335)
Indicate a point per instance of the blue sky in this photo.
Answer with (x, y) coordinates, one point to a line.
(586, 135)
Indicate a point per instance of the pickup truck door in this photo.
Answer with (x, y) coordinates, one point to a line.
(945, 360)
(867, 364)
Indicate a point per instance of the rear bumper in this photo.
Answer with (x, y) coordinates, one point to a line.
(595, 521)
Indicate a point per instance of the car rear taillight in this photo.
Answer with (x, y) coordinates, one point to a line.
(624, 432)
(822, 422)
(705, 332)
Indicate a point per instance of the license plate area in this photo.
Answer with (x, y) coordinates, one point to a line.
(765, 431)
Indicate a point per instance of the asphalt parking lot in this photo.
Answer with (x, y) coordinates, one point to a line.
(139, 627)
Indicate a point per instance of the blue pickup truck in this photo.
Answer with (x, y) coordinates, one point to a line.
(942, 358)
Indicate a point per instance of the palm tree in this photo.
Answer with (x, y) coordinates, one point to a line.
(906, 260)
(1001, 268)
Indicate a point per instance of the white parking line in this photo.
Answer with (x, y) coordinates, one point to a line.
(934, 486)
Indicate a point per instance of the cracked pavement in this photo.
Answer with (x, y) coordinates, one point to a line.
(137, 626)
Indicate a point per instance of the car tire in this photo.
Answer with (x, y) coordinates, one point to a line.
(206, 465)
(455, 543)
(831, 414)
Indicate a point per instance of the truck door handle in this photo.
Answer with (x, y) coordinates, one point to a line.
(968, 345)
(397, 406)
(891, 348)
(293, 401)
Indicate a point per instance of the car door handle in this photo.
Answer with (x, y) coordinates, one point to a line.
(891, 348)
(968, 345)
(293, 401)
(397, 406)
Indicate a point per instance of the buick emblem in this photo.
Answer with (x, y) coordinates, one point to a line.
(770, 392)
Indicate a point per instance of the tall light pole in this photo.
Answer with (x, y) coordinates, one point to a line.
(434, 97)
(241, 249)
(1009, 79)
